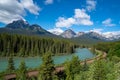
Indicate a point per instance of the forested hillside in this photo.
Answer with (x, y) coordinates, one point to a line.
(112, 48)
(19, 45)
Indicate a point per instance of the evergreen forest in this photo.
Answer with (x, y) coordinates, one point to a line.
(23, 46)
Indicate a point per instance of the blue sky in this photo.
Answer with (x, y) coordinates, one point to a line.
(59, 15)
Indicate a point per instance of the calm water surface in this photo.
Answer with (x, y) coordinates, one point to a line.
(33, 62)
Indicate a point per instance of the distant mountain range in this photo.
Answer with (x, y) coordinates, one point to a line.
(23, 27)
(71, 34)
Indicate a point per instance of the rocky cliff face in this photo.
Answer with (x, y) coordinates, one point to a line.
(68, 34)
(19, 24)
(23, 27)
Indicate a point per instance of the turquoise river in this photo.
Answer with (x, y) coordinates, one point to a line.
(32, 62)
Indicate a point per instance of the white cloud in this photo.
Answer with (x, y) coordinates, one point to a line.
(108, 22)
(56, 31)
(80, 18)
(91, 5)
(11, 10)
(62, 22)
(115, 34)
(85, 22)
(30, 6)
(80, 13)
(97, 30)
(48, 2)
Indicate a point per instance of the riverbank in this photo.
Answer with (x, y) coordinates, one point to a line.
(33, 62)
(102, 55)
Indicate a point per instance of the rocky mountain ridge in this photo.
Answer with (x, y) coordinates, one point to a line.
(71, 34)
(23, 27)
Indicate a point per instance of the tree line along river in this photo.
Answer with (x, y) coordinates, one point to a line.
(33, 62)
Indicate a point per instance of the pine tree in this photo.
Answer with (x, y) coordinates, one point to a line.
(85, 66)
(117, 71)
(72, 68)
(10, 64)
(47, 67)
(19, 45)
(98, 70)
(21, 73)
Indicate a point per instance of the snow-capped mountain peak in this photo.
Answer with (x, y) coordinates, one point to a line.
(112, 35)
(68, 33)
